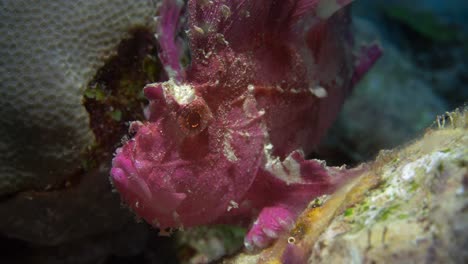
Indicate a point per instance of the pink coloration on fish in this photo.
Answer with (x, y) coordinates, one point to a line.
(225, 137)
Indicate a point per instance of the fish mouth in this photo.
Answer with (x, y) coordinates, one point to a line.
(164, 185)
(176, 179)
(157, 206)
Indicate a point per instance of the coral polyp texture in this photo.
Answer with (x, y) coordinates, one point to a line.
(226, 137)
(50, 51)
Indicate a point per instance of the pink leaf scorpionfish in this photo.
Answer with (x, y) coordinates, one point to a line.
(226, 136)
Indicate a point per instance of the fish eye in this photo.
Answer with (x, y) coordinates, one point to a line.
(194, 117)
(193, 120)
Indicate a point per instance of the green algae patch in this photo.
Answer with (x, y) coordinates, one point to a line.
(116, 115)
(348, 212)
(413, 186)
(386, 212)
(96, 93)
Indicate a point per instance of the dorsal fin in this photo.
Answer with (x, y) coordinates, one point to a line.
(241, 24)
(166, 33)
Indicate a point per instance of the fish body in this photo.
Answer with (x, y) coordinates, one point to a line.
(226, 137)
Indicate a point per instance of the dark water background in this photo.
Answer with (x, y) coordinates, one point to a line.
(423, 73)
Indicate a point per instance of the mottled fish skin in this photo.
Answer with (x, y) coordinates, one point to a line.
(225, 137)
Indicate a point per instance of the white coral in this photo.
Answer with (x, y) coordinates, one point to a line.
(49, 51)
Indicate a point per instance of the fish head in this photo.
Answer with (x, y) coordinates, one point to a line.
(194, 157)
